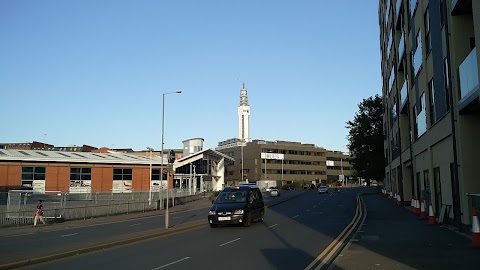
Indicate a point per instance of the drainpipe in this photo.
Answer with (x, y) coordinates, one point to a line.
(455, 181)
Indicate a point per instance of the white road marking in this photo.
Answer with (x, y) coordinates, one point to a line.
(273, 226)
(68, 235)
(15, 235)
(229, 242)
(296, 216)
(172, 263)
(136, 224)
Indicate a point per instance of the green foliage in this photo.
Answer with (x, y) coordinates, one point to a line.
(365, 138)
(214, 195)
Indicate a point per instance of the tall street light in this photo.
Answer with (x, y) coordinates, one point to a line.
(244, 141)
(161, 158)
(150, 189)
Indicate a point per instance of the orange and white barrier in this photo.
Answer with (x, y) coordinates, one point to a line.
(475, 229)
(431, 215)
(417, 206)
(423, 214)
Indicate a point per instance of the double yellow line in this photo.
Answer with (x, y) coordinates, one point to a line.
(327, 256)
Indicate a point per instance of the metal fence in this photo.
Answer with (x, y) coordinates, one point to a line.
(20, 210)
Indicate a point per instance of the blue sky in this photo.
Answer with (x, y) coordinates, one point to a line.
(93, 72)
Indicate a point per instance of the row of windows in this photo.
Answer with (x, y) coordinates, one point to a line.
(30, 173)
(296, 152)
(419, 111)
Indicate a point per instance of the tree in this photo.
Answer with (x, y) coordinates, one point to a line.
(365, 139)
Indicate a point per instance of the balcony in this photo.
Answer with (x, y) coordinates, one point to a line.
(421, 123)
(468, 81)
(460, 7)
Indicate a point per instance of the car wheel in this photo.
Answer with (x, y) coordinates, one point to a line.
(248, 220)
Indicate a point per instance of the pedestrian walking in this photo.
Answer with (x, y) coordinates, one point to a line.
(38, 214)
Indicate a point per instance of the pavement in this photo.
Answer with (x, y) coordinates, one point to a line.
(392, 237)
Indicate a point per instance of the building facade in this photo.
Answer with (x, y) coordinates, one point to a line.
(430, 70)
(279, 163)
(107, 172)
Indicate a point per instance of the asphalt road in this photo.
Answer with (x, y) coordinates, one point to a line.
(292, 236)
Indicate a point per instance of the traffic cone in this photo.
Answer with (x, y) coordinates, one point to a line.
(417, 206)
(412, 205)
(475, 229)
(399, 200)
(431, 216)
(423, 214)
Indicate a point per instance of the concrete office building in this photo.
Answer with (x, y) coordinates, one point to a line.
(280, 162)
(430, 69)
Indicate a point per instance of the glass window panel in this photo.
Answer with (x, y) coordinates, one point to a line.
(27, 169)
(117, 177)
(74, 170)
(127, 171)
(117, 171)
(74, 176)
(86, 177)
(27, 176)
(127, 177)
(87, 170)
(39, 169)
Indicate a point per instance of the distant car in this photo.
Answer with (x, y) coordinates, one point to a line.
(268, 189)
(274, 192)
(322, 189)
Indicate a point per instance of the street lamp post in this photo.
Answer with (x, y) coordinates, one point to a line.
(341, 167)
(161, 158)
(150, 189)
(244, 141)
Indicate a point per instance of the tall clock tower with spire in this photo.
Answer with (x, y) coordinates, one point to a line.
(244, 116)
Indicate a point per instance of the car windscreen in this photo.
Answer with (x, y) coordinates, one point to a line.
(232, 197)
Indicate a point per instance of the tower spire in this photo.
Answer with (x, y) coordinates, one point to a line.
(243, 96)
(244, 116)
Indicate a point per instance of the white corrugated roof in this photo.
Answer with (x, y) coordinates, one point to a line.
(76, 157)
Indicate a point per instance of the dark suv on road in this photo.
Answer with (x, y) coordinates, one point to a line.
(241, 204)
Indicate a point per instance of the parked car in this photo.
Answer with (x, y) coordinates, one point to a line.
(241, 204)
(274, 192)
(322, 189)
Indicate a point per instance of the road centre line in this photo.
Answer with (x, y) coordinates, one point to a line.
(272, 226)
(136, 224)
(68, 235)
(229, 242)
(172, 263)
(296, 216)
(337, 242)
